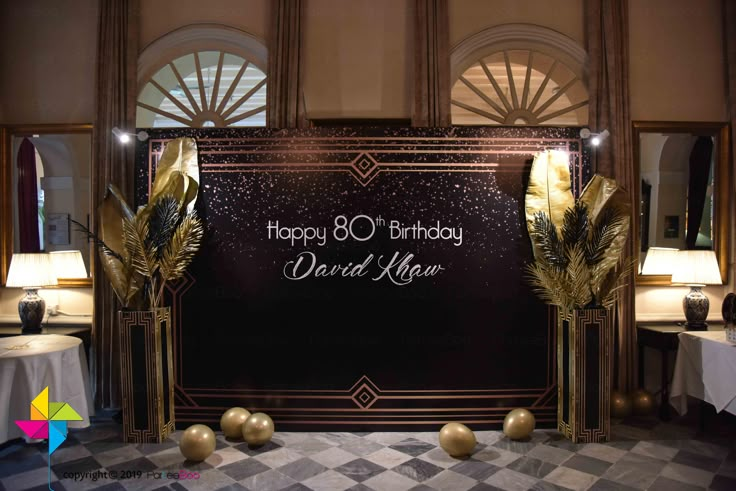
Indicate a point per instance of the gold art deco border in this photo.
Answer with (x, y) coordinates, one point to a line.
(149, 325)
(365, 403)
(579, 395)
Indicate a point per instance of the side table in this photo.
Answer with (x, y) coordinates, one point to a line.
(662, 337)
(705, 369)
(77, 326)
(78, 331)
(29, 363)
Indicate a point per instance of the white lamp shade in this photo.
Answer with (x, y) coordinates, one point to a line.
(68, 264)
(659, 260)
(31, 270)
(697, 268)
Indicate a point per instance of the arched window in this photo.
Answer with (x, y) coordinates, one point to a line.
(202, 76)
(519, 75)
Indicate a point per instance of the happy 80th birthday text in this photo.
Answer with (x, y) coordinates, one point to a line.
(362, 228)
(399, 268)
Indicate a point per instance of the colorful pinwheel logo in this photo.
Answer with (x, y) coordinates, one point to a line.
(48, 420)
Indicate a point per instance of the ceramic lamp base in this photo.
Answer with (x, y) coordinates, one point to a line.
(730, 333)
(696, 305)
(31, 309)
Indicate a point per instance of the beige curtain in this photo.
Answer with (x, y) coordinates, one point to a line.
(607, 44)
(729, 38)
(116, 91)
(431, 101)
(285, 108)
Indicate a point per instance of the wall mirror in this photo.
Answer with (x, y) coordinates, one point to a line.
(683, 170)
(45, 179)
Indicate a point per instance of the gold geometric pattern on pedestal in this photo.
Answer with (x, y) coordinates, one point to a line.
(582, 326)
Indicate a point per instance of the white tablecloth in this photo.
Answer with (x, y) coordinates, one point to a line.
(30, 363)
(705, 368)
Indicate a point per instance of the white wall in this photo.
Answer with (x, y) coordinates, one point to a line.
(47, 61)
(676, 60)
(160, 17)
(468, 17)
(356, 59)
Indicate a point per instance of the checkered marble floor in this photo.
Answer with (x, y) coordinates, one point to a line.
(643, 454)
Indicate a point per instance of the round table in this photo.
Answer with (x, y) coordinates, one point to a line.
(28, 364)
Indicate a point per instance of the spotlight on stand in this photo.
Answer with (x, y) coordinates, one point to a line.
(120, 135)
(124, 137)
(595, 138)
(599, 137)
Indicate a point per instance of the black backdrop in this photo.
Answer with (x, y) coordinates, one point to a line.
(374, 346)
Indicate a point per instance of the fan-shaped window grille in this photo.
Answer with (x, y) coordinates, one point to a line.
(205, 88)
(519, 87)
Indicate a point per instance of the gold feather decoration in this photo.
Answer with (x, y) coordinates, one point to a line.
(180, 250)
(577, 244)
(135, 231)
(178, 165)
(125, 282)
(549, 189)
(140, 252)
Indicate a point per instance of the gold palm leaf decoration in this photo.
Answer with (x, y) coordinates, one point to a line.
(142, 251)
(180, 250)
(177, 173)
(577, 244)
(115, 261)
(610, 210)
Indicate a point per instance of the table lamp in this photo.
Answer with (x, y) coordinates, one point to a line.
(696, 268)
(68, 264)
(31, 271)
(659, 261)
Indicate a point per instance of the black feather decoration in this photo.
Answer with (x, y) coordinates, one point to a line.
(602, 234)
(575, 225)
(544, 234)
(97, 241)
(164, 219)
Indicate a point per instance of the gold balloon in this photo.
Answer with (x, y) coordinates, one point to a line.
(642, 402)
(518, 423)
(258, 429)
(197, 443)
(457, 439)
(620, 404)
(232, 422)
